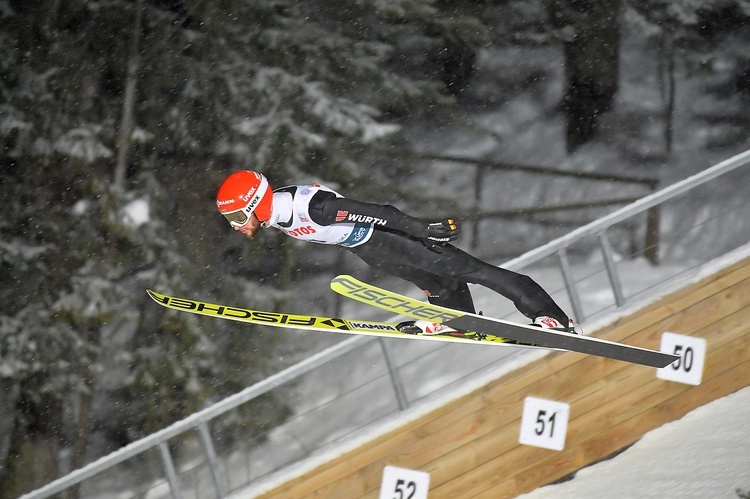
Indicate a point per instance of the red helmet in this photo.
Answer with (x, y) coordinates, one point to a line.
(242, 194)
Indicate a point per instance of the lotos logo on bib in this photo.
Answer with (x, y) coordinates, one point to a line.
(302, 231)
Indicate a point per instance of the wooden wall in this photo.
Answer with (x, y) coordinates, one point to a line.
(470, 446)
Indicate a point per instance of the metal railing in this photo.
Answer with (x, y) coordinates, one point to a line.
(392, 368)
(482, 166)
(598, 228)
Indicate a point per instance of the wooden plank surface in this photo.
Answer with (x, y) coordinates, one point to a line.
(470, 446)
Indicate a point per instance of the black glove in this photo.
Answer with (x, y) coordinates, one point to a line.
(441, 233)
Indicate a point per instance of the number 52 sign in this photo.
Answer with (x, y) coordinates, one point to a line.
(402, 483)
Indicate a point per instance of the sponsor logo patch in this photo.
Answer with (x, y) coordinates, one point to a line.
(249, 193)
(365, 325)
(341, 215)
(300, 231)
(353, 217)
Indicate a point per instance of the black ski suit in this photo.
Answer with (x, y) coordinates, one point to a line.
(399, 245)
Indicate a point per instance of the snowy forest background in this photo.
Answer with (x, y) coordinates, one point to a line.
(119, 119)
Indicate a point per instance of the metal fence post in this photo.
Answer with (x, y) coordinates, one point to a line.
(398, 386)
(651, 243)
(166, 459)
(476, 210)
(570, 284)
(609, 263)
(213, 462)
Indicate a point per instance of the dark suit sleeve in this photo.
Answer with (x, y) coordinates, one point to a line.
(327, 209)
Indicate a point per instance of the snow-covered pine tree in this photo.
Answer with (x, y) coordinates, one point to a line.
(282, 86)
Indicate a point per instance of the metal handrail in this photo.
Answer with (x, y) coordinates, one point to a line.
(597, 228)
(643, 204)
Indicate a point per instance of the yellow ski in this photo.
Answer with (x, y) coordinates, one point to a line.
(305, 322)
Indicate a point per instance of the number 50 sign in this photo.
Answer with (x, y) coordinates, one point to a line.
(689, 367)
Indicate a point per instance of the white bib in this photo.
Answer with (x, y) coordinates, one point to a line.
(297, 207)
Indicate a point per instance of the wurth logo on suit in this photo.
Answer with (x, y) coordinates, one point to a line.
(345, 216)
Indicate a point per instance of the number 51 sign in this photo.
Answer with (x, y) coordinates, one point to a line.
(544, 423)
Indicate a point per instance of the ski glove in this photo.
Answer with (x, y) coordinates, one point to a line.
(441, 233)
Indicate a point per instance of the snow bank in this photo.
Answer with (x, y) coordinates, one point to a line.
(705, 454)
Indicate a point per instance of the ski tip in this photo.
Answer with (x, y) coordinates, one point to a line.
(671, 359)
(342, 278)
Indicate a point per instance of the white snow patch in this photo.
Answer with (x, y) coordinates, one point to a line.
(704, 454)
(82, 143)
(81, 206)
(136, 213)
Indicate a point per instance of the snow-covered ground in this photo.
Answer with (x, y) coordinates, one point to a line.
(706, 454)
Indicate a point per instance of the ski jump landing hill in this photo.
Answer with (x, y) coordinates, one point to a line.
(470, 447)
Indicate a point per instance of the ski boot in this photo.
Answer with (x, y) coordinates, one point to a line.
(547, 322)
(426, 328)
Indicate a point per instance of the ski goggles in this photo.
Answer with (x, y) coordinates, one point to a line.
(237, 218)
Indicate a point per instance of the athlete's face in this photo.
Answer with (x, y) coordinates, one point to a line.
(251, 227)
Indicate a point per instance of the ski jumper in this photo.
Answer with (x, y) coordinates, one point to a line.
(389, 240)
